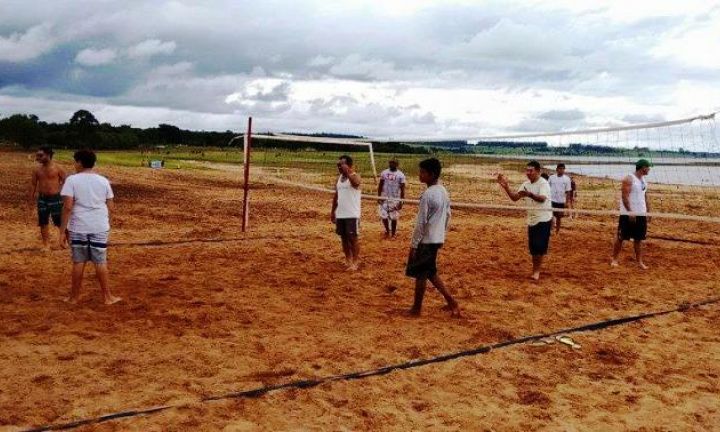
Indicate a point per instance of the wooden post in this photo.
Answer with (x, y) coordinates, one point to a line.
(246, 185)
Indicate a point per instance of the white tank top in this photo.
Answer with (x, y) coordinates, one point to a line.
(637, 197)
(349, 200)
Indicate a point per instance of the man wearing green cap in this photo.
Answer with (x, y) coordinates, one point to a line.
(633, 212)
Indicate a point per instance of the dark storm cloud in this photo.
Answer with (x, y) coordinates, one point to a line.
(238, 57)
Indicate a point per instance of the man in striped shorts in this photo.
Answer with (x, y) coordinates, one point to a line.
(87, 201)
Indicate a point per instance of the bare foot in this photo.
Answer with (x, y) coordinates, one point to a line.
(643, 266)
(71, 300)
(614, 264)
(354, 267)
(413, 312)
(112, 300)
(386, 236)
(535, 276)
(453, 309)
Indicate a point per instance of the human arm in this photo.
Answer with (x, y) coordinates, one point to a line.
(402, 195)
(420, 223)
(68, 203)
(503, 182)
(352, 176)
(626, 189)
(381, 183)
(334, 207)
(33, 187)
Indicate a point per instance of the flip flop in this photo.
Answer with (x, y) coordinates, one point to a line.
(543, 342)
(567, 340)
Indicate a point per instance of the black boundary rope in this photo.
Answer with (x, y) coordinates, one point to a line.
(313, 382)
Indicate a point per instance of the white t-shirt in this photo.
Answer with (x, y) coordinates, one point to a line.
(559, 187)
(638, 204)
(544, 209)
(90, 193)
(349, 199)
(391, 183)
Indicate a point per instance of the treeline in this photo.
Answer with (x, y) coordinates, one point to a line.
(83, 130)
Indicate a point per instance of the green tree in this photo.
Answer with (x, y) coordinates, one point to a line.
(22, 129)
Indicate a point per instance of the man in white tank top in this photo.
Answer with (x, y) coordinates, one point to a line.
(633, 213)
(346, 211)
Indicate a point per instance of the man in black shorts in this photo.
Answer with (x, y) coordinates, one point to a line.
(429, 236)
(345, 212)
(634, 207)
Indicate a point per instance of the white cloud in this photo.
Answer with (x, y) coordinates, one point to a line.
(96, 57)
(20, 47)
(150, 48)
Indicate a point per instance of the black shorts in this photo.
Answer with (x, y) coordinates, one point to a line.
(628, 230)
(347, 227)
(424, 263)
(539, 238)
(49, 206)
(558, 206)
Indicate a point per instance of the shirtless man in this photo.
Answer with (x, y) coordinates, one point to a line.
(47, 181)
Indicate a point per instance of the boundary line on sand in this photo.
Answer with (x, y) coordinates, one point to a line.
(313, 382)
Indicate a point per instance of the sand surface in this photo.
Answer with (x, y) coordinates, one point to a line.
(209, 310)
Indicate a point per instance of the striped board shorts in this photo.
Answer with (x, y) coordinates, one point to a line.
(89, 247)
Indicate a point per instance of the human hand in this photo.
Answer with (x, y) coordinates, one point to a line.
(63, 239)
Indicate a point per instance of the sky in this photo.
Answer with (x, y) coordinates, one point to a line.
(450, 68)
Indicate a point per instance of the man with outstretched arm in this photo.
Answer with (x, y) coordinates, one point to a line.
(536, 192)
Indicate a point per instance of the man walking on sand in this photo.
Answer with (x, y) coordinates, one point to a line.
(47, 181)
(634, 207)
(87, 201)
(391, 190)
(561, 193)
(536, 191)
(345, 212)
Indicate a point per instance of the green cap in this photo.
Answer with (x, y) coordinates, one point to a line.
(643, 163)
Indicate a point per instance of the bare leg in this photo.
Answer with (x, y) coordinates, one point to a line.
(558, 223)
(103, 277)
(354, 243)
(45, 234)
(452, 304)
(639, 255)
(616, 251)
(537, 263)
(347, 250)
(77, 279)
(420, 285)
(394, 224)
(387, 227)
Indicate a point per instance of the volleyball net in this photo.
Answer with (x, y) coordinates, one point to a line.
(684, 178)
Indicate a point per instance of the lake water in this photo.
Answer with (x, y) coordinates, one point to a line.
(664, 174)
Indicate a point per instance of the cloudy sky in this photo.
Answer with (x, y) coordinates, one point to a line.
(379, 68)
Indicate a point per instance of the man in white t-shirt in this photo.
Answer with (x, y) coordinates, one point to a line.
(345, 212)
(634, 207)
(536, 192)
(87, 200)
(560, 192)
(391, 189)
